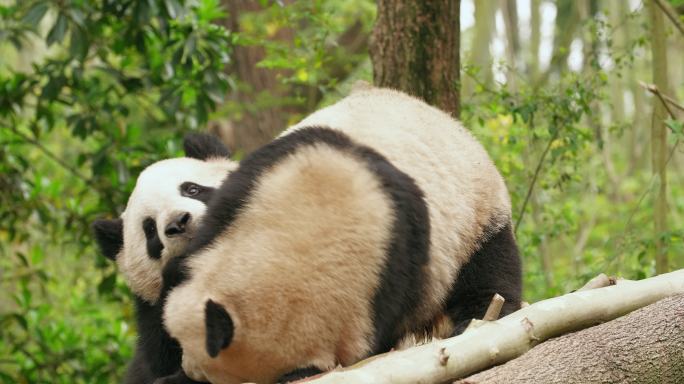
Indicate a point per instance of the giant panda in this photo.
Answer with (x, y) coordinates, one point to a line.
(161, 216)
(366, 222)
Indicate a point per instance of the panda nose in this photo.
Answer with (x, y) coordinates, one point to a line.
(177, 226)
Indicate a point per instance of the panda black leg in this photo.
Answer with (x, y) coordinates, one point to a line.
(178, 378)
(299, 374)
(494, 268)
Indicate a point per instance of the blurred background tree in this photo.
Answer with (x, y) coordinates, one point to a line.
(92, 91)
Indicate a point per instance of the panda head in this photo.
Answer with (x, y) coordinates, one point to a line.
(163, 213)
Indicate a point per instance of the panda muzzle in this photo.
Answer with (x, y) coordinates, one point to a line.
(178, 225)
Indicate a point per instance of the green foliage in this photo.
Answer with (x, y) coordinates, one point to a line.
(316, 48)
(92, 91)
(586, 220)
(111, 87)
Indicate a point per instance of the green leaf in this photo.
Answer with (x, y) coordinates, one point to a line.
(53, 87)
(78, 47)
(58, 30)
(173, 8)
(35, 14)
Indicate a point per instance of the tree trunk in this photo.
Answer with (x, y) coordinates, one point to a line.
(480, 56)
(258, 124)
(658, 131)
(415, 48)
(643, 347)
(535, 39)
(510, 13)
(567, 21)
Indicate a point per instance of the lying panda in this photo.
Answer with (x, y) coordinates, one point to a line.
(364, 223)
(161, 216)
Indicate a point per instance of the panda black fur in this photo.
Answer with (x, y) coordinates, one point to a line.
(368, 221)
(173, 192)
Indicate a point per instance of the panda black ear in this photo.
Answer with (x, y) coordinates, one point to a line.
(201, 146)
(109, 236)
(219, 327)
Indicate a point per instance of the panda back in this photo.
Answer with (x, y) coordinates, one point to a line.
(466, 196)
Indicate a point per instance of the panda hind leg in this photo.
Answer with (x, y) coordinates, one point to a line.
(299, 374)
(494, 268)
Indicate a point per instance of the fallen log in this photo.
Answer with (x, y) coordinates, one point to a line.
(645, 346)
(496, 342)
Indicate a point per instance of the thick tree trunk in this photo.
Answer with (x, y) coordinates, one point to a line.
(658, 132)
(643, 347)
(415, 48)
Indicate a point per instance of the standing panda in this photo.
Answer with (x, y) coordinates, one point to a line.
(366, 222)
(161, 217)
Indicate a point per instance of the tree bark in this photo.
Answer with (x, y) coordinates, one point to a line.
(643, 347)
(415, 48)
(659, 132)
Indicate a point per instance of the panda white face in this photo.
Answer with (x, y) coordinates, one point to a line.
(163, 213)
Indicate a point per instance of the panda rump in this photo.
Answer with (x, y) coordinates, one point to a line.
(337, 239)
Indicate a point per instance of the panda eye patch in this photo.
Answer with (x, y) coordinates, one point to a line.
(190, 189)
(196, 191)
(150, 228)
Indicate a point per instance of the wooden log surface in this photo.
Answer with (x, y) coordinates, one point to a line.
(645, 346)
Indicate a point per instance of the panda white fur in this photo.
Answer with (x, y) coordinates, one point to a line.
(368, 221)
(161, 216)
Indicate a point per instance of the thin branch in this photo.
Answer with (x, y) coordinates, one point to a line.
(653, 89)
(650, 186)
(664, 99)
(534, 179)
(51, 155)
(670, 13)
(673, 102)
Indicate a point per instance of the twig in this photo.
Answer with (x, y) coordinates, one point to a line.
(494, 308)
(673, 102)
(669, 12)
(654, 90)
(650, 185)
(51, 155)
(534, 179)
